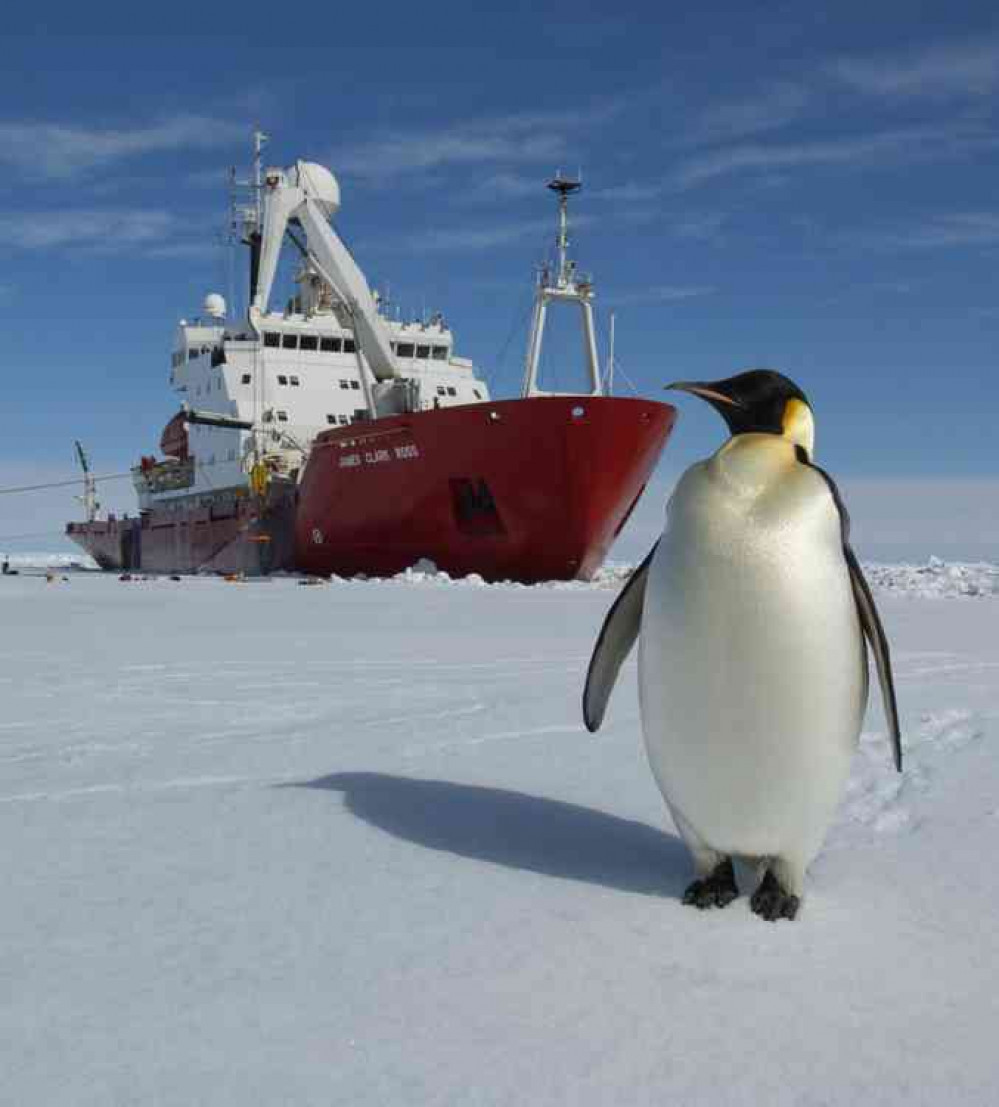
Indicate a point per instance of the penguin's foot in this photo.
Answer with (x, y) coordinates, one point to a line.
(772, 902)
(717, 889)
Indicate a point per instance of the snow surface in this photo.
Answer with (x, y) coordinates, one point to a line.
(350, 844)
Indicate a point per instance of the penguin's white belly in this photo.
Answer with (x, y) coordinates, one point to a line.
(752, 674)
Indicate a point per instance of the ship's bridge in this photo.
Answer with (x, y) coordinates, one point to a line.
(194, 340)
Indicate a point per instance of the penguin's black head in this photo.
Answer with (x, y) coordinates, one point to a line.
(761, 402)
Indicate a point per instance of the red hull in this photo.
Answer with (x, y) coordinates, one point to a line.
(525, 490)
(529, 489)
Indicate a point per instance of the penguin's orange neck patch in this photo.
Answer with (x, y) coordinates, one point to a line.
(798, 426)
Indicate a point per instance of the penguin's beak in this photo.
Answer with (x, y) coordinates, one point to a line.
(705, 391)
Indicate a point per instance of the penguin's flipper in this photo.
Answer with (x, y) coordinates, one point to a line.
(874, 632)
(617, 636)
(870, 620)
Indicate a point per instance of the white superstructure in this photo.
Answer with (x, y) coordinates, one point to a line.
(257, 393)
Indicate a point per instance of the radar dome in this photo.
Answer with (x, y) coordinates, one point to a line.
(214, 305)
(320, 185)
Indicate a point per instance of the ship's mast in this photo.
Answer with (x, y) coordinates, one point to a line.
(259, 141)
(561, 286)
(247, 223)
(89, 498)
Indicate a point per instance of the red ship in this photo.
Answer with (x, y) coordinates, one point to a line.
(329, 438)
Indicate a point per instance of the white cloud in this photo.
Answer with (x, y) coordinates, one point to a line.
(945, 70)
(630, 192)
(528, 137)
(662, 294)
(890, 147)
(94, 228)
(183, 251)
(61, 151)
(507, 186)
(779, 105)
(479, 238)
(941, 231)
(703, 227)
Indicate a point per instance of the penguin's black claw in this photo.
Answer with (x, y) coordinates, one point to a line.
(771, 902)
(718, 889)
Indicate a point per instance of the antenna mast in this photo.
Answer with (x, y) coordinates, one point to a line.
(260, 140)
(562, 286)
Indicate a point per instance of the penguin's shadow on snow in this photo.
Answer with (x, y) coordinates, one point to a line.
(517, 831)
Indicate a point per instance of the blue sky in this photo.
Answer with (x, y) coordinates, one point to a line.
(810, 188)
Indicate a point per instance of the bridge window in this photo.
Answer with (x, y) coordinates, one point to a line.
(282, 416)
(294, 381)
(441, 390)
(331, 419)
(308, 342)
(451, 391)
(356, 387)
(272, 338)
(439, 353)
(344, 384)
(329, 345)
(344, 420)
(423, 351)
(289, 342)
(245, 378)
(406, 349)
(349, 346)
(282, 379)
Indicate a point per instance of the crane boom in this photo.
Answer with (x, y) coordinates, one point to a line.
(309, 194)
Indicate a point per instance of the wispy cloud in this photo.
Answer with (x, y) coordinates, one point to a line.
(629, 192)
(479, 238)
(186, 251)
(945, 70)
(525, 138)
(956, 229)
(776, 107)
(92, 228)
(663, 294)
(705, 227)
(63, 151)
(506, 185)
(900, 146)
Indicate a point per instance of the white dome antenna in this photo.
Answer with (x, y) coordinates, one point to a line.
(214, 305)
(319, 185)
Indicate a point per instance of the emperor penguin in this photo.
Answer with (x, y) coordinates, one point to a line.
(752, 614)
